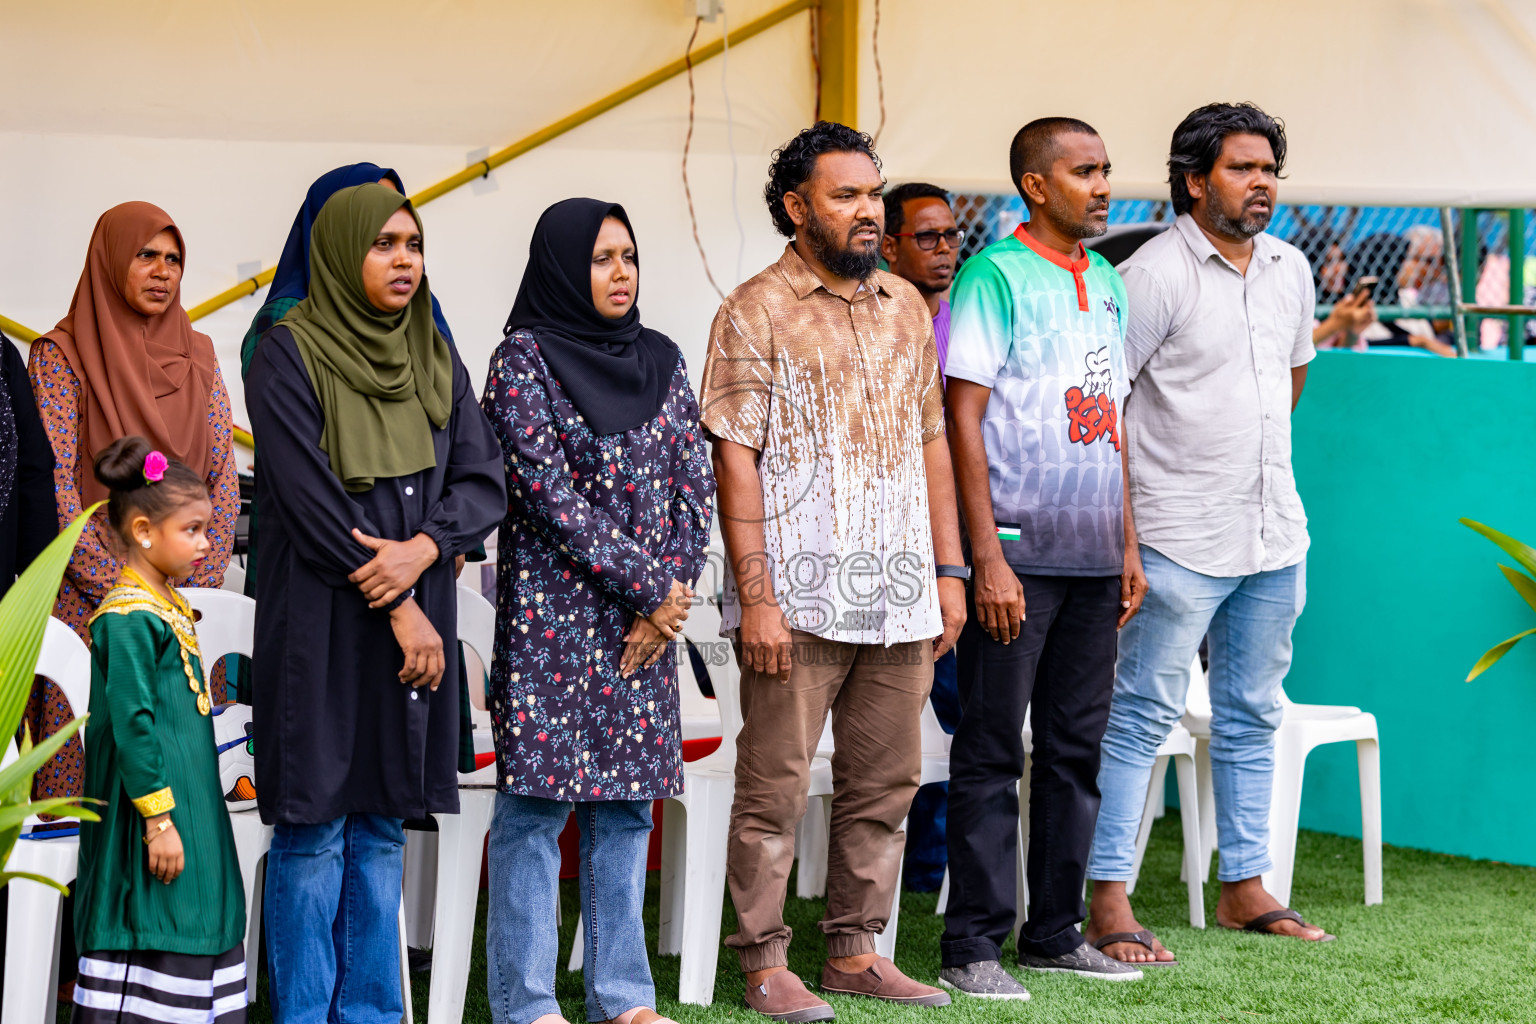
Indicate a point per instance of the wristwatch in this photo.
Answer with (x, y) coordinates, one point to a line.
(959, 572)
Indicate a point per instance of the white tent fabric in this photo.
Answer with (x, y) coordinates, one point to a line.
(223, 111)
(1386, 102)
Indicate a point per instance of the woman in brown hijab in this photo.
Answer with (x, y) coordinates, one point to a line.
(125, 360)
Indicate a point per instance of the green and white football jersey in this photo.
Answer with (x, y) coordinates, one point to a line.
(1047, 334)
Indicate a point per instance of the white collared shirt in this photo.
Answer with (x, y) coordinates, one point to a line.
(1210, 352)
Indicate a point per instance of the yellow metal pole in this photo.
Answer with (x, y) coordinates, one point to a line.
(20, 332)
(565, 124)
(250, 286)
(837, 29)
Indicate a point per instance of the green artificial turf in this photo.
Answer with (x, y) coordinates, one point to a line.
(1454, 941)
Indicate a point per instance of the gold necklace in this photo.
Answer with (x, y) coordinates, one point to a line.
(174, 612)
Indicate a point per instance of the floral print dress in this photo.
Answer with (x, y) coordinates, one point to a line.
(93, 569)
(597, 528)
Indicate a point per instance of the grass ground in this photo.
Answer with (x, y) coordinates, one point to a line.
(1455, 941)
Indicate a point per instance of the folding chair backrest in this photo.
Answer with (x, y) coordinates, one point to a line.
(477, 632)
(234, 578)
(1197, 700)
(65, 661)
(226, 623)
(703, 628)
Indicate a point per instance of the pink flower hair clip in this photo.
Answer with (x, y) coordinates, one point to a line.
(154, 467)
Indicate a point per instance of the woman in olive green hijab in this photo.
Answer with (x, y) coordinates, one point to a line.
(377, 374)
(378, 469)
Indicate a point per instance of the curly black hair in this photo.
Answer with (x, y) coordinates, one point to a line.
(793, 163)
(1198, 139)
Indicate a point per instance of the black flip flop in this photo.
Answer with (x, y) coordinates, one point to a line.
(1261, 925)
(1141, 938)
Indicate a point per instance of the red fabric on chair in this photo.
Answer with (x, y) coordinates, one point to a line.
(570, 837)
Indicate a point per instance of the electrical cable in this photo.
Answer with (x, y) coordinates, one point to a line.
(687, 144)
(730, 134)
(816, 61)
(879, 76)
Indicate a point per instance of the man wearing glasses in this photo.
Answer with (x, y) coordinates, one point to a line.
(922, 245)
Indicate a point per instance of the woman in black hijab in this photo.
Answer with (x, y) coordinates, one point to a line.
(608, 512)
(28, 516)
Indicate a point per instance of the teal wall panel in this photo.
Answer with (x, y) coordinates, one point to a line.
(1402, 599)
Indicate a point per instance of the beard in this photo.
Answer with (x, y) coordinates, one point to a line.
(1076, 223)
(842, 256)
(1245, 223)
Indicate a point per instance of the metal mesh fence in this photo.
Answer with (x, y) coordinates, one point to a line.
(1401, 245)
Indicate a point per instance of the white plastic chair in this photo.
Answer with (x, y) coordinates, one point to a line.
(32, 925)
(814, 834)
(227, 625)
(696, 825)
(699, 714)
(1179, 747)
(461, 839)
(1303, 727)
(695, 828)
(234, 578)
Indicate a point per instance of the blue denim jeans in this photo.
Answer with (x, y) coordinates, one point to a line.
(522, 933)
(332, 927)
(1249, 620)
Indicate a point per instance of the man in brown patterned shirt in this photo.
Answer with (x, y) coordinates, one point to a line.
(823, 399)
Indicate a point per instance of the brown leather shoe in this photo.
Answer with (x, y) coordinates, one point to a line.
(783, 996)
(882, 980)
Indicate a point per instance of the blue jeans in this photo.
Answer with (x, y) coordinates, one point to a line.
(522, 934)
(1249, 620)
(333, 911)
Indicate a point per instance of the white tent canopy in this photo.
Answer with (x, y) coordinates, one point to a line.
(223, 111)
(1386, 102)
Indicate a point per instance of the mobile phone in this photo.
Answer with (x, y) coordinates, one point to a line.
(1365, 286)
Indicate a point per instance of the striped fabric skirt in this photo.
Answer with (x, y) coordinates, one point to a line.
(145, 987)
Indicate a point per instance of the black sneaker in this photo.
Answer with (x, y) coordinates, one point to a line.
(1085, 962)
(984, 979)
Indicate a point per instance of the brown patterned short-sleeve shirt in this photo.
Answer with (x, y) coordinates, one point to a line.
(838, 398)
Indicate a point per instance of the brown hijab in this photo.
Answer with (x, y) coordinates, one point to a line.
(146, 375)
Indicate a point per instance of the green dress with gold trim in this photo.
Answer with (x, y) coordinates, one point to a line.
(149, 748)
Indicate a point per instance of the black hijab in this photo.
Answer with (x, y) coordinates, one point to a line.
(616, 372)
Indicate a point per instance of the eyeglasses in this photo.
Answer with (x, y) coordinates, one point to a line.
(930, 239)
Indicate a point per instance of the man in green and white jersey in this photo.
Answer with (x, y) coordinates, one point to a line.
(1037, 378)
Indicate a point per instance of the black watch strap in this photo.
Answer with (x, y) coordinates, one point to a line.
(959, 572)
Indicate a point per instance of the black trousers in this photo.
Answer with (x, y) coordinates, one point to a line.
(1064, 664)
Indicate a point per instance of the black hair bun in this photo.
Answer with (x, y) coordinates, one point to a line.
(120, 466)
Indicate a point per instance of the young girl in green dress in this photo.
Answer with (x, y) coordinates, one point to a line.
(159, 906)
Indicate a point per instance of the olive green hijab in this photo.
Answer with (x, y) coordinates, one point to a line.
(383, 380)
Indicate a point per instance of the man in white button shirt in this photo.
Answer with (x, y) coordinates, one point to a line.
(1217, 346)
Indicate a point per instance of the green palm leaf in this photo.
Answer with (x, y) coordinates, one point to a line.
(1523, 584)
(23, 618)
(1496, 652)
(12, 815)
(17, 776)
(1522, 553)
(6, 876)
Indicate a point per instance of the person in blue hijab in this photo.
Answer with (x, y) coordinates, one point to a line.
(290, 283)
(290, 286)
